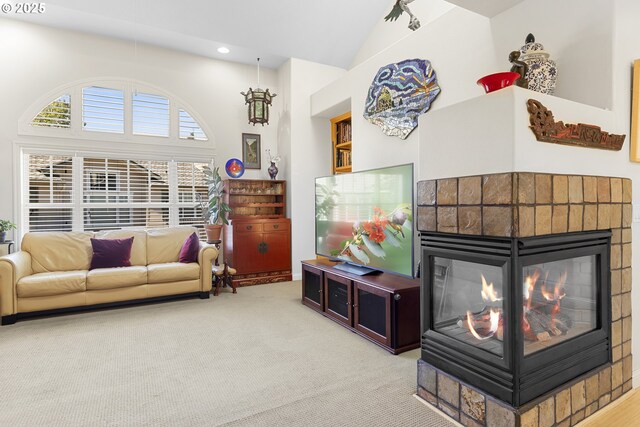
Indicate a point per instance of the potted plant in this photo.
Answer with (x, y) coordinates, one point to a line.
(4, 227)
(215, 210)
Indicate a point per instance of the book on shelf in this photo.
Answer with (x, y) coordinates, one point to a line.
(343, 158)
(344, 132)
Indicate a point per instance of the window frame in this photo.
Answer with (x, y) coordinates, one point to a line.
(79, 206)
(128, 87)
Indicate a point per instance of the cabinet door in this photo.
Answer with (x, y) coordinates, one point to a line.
(337, 298)
(372, 312)
(277, 251)
(312, 295)
(247, 252)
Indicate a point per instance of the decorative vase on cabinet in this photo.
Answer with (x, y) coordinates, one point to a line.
(542, 72)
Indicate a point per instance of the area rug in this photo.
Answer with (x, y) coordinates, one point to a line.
(256, 358)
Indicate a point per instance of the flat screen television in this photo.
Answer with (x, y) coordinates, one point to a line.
(366, 219)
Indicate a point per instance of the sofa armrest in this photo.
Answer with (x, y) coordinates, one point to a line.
(207, 255)
(13, 267)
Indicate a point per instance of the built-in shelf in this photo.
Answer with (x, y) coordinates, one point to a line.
(341, 143)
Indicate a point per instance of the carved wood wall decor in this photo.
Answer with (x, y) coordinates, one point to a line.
(546, 129)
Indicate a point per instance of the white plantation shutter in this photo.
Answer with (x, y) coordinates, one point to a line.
(189, 128)
(150, 115)
(125, 193)
(102, 109)
(49, 194)
(55, 115)
(191, 182)
(112, 193)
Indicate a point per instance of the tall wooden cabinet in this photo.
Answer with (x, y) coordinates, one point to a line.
(257, 241)
(341, 143)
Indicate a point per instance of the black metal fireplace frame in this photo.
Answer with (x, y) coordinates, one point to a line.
(514, 378)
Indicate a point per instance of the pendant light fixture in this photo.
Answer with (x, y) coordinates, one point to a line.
(258, 102)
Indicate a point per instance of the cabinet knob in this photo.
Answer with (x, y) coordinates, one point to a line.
(249, 227)
(397, 297)
(276, 226)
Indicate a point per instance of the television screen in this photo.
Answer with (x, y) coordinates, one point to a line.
(366, 218)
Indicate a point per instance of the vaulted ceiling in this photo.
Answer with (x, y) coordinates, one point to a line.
(325, 31)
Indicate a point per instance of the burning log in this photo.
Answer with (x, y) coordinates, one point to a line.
(546, 321)
(485, 324)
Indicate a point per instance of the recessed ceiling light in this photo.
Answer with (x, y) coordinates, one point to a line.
(223, 49)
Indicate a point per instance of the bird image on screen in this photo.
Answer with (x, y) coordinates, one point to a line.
(366, 218)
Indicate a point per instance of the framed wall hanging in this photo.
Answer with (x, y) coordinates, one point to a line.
(251, 150)
(634, 153)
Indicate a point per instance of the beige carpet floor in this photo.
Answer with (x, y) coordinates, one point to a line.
(257, 358)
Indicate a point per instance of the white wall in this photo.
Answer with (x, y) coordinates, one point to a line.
(578, 34)
(626, 49)
(37, 60)
(387, 33)
(371, 148)
(593, 42)
(307, 149)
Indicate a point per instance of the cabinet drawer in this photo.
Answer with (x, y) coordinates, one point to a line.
(276, 226)
(247, 227)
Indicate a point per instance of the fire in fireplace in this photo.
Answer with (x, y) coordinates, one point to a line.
(516, 317)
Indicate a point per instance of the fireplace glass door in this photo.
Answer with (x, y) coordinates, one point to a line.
(559, 301)
(468, 303)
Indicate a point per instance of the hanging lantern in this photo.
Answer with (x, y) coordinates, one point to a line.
(258, 102)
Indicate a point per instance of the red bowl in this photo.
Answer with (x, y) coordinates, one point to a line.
(498, 81)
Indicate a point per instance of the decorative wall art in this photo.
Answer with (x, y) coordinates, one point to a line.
(546, 129)
(234, 168)
(635, 114)
(251, 150)
(400, 93)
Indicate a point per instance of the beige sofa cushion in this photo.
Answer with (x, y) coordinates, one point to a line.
(58, 251)
(164, 244)
(173, 272)
(112, 278)
(139, 247)
(54, 283)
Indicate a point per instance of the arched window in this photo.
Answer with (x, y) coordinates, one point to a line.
(135, 111)
(147, 175)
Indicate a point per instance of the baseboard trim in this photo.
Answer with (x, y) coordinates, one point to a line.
(10, 320)
(297, 276)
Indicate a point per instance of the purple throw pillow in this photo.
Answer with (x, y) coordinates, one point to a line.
(108, 253)
(190, 249)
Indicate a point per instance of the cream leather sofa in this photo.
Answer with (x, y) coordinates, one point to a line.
(51, 272)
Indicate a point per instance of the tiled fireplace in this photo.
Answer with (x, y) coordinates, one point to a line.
(526, 297)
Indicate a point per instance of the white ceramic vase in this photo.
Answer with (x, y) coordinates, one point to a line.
(542, 72)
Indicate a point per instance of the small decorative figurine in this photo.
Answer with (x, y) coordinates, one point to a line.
(542, 72)
(398, 8)
(519, 67)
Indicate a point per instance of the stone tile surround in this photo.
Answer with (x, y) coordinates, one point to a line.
(524, 204)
